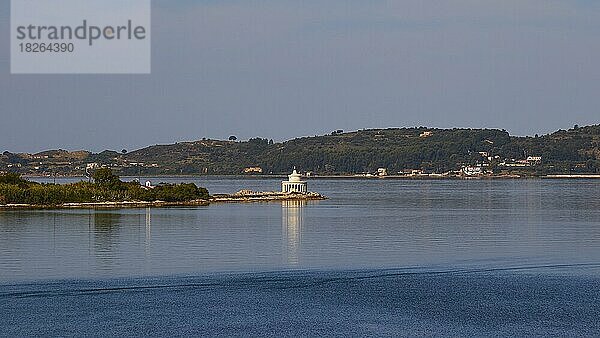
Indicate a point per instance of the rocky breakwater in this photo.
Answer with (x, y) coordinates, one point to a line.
(262, 196)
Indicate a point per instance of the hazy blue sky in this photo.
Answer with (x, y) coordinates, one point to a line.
(281, 69)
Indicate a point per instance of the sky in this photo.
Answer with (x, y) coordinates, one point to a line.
(281, 69)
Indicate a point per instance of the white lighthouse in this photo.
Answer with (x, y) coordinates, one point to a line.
(294, 184)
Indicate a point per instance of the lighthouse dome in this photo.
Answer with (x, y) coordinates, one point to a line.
(295, 177)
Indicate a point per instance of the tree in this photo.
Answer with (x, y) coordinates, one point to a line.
(105, 178)
(232, 138)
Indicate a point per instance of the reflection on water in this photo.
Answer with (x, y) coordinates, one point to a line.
(148, 225)
(292, 220)
(106, 232)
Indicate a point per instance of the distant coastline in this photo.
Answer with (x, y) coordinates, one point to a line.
(391, 152)
(341, 177)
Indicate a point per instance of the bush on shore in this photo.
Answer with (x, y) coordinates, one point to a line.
(106, 187)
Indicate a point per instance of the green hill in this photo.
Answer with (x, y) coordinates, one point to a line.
(396, 149)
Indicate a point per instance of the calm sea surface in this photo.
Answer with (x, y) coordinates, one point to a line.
(364, 224)
(434, 254)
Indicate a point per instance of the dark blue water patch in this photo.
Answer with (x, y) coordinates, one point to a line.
(525, 301)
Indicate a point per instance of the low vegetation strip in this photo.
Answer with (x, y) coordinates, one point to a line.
(106, 188)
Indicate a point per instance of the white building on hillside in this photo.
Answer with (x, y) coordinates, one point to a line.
(294, 184)
(532, 160)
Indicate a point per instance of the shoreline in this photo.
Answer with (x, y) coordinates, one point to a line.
(105, 205)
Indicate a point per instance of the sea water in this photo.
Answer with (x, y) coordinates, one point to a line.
(384, 257)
